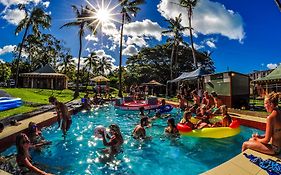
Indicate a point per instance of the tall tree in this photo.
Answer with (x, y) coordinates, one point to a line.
(35, 19)
(189, 5)
(91, 62)
(84, 18)
(175, 28)
(104, 64)
(128, 7)
(67, 63)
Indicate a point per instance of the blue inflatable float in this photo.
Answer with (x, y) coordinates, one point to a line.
(165, 108)
(8, 103)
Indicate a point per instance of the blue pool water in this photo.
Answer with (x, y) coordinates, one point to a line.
(161, 156)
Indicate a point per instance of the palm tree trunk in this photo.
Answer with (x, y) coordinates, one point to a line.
(19, 56)
(76, 94)
(278, 3)
(120, 58)
(191, 36)
(88, 76)
(171, 68)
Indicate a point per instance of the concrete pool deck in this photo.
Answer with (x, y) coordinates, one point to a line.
(237, 165)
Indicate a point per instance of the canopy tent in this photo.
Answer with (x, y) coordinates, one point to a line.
(100, 78)
(189, 75)
(153, 83)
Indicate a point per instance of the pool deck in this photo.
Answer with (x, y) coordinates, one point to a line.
(240, 165)
(237, 165)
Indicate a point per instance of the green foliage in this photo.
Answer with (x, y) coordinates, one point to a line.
(5, 72)
(153, 63)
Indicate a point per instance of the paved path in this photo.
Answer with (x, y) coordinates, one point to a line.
(4, 94)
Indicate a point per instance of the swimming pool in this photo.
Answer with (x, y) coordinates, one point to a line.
(162, 155)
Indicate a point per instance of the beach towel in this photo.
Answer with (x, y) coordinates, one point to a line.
(270, 166)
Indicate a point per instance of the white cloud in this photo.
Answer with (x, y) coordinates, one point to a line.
(130, 50)
(101, 53)
(7, 49)
(110, 30)
(15, 2)
(144, 28)
(91, 38)
(46, 4)
(208, 18)
(14, 16)
(211, 44)
(137, 41)
(271, 66)
(197, 47)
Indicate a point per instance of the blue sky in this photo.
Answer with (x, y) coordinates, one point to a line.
(243, 36)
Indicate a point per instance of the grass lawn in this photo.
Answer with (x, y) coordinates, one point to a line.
(34, 97)
(39, 96)
(19, 110)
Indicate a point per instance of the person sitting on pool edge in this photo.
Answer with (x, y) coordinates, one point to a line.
(171, 128)
(35, 136)
(86, 102)
(115, 140)
(139, 131)
(23, 157)
(270, 143)
(186, 119)
(62, 114)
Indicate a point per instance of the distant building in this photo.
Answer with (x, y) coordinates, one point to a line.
(231, 87)
(256, 74)
(43, 78)
(267, 84)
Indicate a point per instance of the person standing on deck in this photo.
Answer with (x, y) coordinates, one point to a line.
(64, 118)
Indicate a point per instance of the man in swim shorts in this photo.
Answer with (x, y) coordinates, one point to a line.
(64, 118)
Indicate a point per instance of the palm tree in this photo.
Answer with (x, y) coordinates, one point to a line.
(278, 3)
(176, 29)
(190, 4)
(67, 63)
(91, 61)
(84, 18)
(128, 7)
(104, 64)
(35, 19)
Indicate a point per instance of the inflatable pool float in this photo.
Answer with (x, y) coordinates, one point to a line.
(165, 109)
(135, 105)
(216, 132)
(8, 103)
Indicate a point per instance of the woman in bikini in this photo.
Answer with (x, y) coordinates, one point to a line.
(270, 143)
(115, 140)
(23, 158)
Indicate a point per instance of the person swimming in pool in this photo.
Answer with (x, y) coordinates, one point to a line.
(270, 143)
(115, 140)
(63, 116)
(171, 128)
(139, 131)
(35, 136)
(23, 157)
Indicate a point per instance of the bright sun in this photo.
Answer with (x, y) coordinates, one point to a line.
(103, 15)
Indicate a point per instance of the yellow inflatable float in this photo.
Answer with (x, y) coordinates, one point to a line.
(216, 132)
